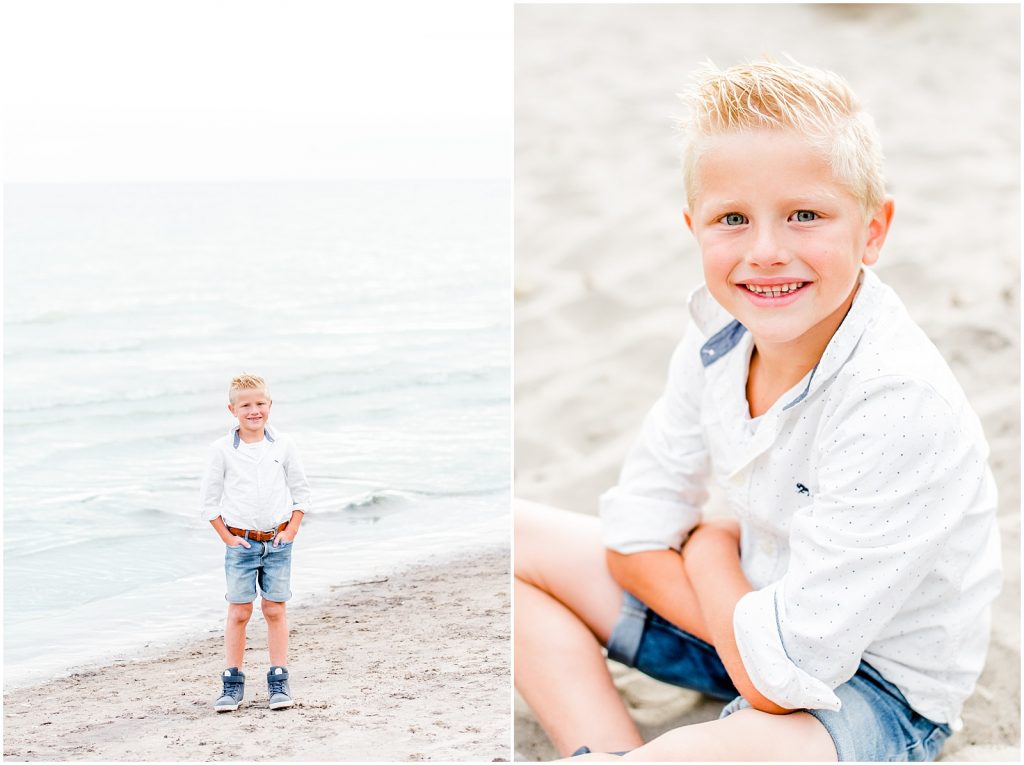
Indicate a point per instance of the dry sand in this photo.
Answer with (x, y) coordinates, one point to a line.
(414, 666)
(604, 262)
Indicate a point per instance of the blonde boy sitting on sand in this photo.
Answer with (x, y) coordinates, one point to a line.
(846, 613)
(255, 493)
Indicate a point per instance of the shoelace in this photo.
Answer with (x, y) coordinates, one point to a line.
(233, 685)
(277, 685)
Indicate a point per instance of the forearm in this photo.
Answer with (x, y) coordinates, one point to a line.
(221, 528)
(659, 579)
(713, 568)
(296, 520)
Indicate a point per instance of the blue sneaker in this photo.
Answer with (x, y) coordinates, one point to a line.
(277, 688)
(234, 690)
(586, 750)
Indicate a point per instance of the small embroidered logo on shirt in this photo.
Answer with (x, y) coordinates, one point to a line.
(803, 489)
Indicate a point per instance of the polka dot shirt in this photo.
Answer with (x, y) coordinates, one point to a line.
(865, 500)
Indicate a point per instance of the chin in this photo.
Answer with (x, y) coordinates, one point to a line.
(776, 335)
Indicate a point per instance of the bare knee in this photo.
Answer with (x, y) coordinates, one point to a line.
(273, 610)
(239, 613)
(528, 522)
(535, 528)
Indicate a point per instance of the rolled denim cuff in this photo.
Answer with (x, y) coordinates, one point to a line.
(624, 642)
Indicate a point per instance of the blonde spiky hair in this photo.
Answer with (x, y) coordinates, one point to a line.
(817, 103)
(246, 382)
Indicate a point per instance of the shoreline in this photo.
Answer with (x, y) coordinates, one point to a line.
(149, 621)
(413, 665)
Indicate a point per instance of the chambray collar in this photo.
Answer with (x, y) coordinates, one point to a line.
(724, 333)
(238, 439)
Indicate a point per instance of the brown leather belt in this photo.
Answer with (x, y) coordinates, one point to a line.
(258, 536)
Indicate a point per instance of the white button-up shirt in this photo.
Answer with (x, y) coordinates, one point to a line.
(866, 505)
(253, 489)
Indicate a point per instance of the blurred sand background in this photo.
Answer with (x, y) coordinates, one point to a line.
(604, 261)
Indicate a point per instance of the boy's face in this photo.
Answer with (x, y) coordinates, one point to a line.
(252, 408)
(782, 241)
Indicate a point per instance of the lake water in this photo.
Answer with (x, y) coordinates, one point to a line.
(378, 312)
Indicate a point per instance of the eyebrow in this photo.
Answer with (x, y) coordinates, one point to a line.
(816, 196)
(794, 201)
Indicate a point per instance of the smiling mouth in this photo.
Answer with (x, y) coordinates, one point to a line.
(774, 290)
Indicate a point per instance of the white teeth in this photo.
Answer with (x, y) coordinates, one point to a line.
(775, 290)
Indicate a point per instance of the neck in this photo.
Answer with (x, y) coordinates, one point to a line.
(777, 367)
(251, 436)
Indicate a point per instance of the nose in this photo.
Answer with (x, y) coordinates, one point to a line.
(767, 248)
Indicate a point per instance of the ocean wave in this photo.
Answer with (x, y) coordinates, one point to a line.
(34, 351)
(46, 317)
(126, 398)
(145, 306)
(372, 385)
(373, 499)
(483, 491)
(329, 502)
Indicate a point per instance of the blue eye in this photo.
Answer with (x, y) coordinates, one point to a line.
(734, 219)
(804, 216)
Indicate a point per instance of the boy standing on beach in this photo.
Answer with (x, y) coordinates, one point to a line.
(846, 612)
(254, 494)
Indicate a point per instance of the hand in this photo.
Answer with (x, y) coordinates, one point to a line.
(235, 541)
(288, 535)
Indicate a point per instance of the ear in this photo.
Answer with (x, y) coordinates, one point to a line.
(878, 228)
(688, 219)
(231, 408)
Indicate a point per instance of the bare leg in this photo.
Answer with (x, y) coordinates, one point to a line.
(234, 633)
(745, 736)
(566, 604)
(277, 631)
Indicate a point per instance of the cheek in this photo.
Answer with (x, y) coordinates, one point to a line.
(834, 263)
(718, 263)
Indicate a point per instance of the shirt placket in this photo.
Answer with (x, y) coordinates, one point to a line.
(748, 493)
(261, 494)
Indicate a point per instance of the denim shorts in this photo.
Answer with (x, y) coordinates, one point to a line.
(262, 565)
(875, 723)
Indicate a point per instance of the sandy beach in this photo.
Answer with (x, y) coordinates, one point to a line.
(412, 666)
(604, 261)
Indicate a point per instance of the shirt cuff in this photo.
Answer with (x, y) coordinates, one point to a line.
(773, 673)
(632, 524)
(211, 513)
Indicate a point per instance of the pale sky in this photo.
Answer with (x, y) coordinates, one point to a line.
(118, 90)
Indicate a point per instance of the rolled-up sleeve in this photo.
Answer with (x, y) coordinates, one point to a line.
(896, 473)
(211, 489)
(662, 486)
(298, 484)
